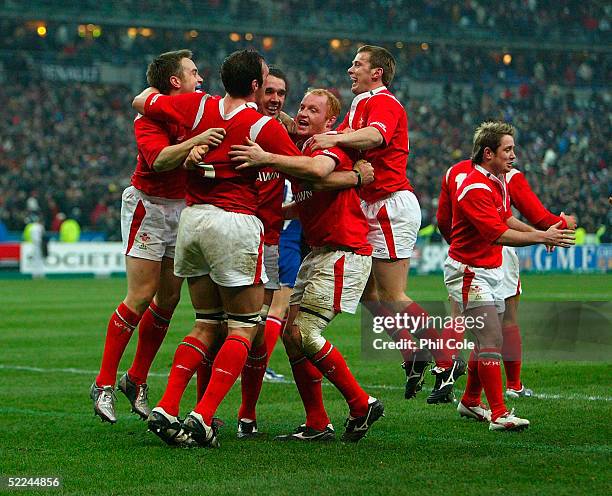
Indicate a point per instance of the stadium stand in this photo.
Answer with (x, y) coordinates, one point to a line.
(67, 145)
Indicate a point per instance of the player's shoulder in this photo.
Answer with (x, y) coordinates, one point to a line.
(142, 123)
(514, 173)
(386, 98)
(475, 183)
(463, 167)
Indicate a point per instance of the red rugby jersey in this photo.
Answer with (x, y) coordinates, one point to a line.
(521, 195)
(332, 218)
(271, 188)
(218, 182)
(451, 181)
(151, 138)
(380, 109)
(480, 210)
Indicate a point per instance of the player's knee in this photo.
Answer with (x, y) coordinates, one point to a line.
(311, 323)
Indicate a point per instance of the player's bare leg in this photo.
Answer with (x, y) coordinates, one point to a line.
(190, 354)
(512, 350)
(242, 306)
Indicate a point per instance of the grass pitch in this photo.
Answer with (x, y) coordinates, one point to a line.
(51, 340)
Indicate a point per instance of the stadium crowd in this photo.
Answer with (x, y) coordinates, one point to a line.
(531, 19)
(68, 148)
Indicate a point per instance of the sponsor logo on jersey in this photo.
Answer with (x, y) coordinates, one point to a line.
(264, 176)
(303, 196)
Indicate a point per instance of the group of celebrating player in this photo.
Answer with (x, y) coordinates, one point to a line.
(206, 204)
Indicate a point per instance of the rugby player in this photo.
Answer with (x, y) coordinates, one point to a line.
(220, 242)
(150, 210)
(528, 204)
(377, 126)
(482, 223)
(331, 278)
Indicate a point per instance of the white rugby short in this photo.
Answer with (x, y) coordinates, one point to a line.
(271, 265)
(472, 287)
(394, 224)
(511, 284)
(149, 224)
(227, 246)
(331, 279)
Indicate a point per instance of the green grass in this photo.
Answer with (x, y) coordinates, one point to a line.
(48, 427)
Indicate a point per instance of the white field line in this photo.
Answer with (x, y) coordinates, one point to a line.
(93, 373)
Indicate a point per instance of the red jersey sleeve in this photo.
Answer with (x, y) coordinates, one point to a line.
(479, 208)
(529, 205)
(274, 138)
(383, 113)
(180, 109)
(151, 138)
(444, 215)
(344, 124)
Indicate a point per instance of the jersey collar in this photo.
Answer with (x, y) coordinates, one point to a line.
(240, 108)
(358, 98)
(494, 178)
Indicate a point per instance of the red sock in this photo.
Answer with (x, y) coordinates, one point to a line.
(252, 379)
(151, 333)
(187, 358)
(399, 335)
(332, 365)
(511, 352)
(204, 372)
(473, 387)
(308, 380)
(120, 327)
(489, 372)
(439, 348)
(226, 368)
(274, 327)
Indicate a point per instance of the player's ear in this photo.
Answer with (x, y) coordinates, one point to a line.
(377, 73)
(329, 124)
(175, 82)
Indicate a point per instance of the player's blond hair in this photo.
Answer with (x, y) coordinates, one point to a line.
(333, 104)
(381, 57)
(489, 135)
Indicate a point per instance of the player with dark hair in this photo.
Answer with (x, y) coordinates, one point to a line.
(481, 223)
(332, 276)
(377, 126)
(150, 211)
(220, 242)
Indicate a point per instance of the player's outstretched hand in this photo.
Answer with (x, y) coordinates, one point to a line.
(196, 156)
(570, 220)
(211, 137)
(323, 141)
(559, 237)
(250, 155)
(366, 171)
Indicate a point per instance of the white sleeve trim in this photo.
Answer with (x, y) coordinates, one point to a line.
(200, 113)
(471, 187)
(257, 127)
